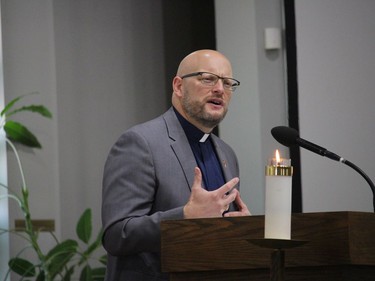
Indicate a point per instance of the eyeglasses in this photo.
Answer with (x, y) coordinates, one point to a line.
(211, 79)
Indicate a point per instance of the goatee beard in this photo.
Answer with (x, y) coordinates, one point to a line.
(196, 111)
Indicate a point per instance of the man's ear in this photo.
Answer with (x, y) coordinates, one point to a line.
(177, 86)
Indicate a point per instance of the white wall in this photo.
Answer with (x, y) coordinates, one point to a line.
(109, 62)
(98, 67)
(29, 66)
(335, 44)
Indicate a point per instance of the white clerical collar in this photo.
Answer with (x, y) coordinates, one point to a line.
(204, 138)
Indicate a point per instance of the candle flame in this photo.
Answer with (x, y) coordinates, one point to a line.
(277, 155)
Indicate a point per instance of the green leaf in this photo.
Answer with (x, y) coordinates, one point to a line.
(67, 245)
(19, 133)
(59, 262)
(103, 259)
(42, 110)
(86, 274)
(22, 267)
(98, 274)
(84, 227)
(13, 101)
(10, 104)
(60, 255)
(95, 245)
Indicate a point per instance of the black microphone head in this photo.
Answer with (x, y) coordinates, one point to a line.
(285, 135)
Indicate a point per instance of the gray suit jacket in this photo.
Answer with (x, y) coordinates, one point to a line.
(147, 179)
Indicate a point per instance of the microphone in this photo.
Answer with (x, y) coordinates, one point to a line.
(290, 137)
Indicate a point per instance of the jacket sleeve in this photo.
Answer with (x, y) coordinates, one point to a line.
(129, 187)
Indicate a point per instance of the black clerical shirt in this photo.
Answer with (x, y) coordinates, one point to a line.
(204, 153)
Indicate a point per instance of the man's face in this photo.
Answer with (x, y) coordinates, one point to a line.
(206, 105)
(202, 88)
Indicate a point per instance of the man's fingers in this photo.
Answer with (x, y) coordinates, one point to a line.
(242, 208)
(197, 178)
(231, 197)
(228, 187)
(241, 205)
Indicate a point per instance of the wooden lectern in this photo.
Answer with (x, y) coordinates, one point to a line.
(341, 246)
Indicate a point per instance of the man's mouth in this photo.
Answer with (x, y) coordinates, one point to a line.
(216, 101)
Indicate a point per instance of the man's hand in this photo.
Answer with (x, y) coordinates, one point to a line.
(205, 204)
(242, 208)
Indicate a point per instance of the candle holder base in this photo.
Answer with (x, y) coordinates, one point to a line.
(278, 255)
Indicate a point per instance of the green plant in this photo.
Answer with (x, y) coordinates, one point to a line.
(65, 257)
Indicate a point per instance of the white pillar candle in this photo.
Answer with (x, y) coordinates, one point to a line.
(278, 198)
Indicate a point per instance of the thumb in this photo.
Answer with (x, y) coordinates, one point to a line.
(197, 178)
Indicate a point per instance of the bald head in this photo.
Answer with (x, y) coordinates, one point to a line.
(205, 60)
(202, 105)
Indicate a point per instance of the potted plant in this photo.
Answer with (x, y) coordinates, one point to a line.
(66, 257)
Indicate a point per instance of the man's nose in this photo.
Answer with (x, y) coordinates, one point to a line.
(219, 86)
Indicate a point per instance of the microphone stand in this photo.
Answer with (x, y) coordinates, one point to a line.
(357, 169)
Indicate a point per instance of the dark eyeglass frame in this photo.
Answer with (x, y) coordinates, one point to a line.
(233, 87)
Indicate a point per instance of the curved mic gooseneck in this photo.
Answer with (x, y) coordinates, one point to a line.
(289, 137)
(356, 168)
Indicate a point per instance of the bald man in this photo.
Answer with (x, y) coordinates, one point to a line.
(171, 167)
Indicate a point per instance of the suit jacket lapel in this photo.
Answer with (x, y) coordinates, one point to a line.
(180, 145)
